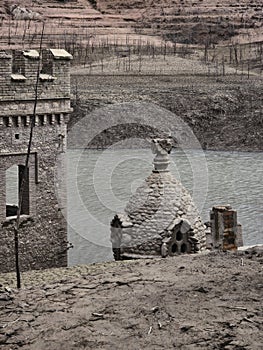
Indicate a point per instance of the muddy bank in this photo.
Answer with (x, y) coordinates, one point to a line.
(225, 113)
(209, 301)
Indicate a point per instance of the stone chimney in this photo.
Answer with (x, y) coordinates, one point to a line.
(225, 231)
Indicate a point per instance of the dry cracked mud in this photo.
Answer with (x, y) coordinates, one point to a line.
(207, 301)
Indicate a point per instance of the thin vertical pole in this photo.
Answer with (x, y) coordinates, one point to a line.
(25, 172)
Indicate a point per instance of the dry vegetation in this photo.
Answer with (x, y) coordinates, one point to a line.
(222, 31)
(211, 51)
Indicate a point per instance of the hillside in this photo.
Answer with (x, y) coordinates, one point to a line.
(224, 113)
(200, 59)
(180, 21)
(189, 21)
(95, 29)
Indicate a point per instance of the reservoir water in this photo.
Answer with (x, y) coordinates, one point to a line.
(100, 184)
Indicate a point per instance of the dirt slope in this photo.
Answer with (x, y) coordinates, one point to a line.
(189, 302)
(225, 113)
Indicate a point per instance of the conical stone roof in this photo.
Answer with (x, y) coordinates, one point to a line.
(160, 209)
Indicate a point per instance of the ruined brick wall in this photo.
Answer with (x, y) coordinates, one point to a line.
(43, 234)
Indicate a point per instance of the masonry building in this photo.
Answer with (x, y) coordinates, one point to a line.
(43, 231)
(160, 219)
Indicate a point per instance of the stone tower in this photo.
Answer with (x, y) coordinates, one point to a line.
(160, 218)
(43, 231)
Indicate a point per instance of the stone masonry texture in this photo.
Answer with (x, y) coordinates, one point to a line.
(43, 231)
(157, 203)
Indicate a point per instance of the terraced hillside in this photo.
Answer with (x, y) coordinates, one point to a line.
(130, 50)
(119, 21)
(191, 21)
(65, 21)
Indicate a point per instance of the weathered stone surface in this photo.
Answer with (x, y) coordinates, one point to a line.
(224, 227)
(186, 226)
(61, 54)
(158, 214)
(43, 232)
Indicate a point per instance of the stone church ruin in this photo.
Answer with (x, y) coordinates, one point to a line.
(43, 230)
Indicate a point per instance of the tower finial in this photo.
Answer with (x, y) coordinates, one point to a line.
(161, 147)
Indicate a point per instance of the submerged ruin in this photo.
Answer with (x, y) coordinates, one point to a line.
(43, 229)
(160, 218)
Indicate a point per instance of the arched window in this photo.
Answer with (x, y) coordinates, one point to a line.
(14, 178)
(12, 188)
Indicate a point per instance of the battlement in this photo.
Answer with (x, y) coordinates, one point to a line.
(18, 74)
(42, 210)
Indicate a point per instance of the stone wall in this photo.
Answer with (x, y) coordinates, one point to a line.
(43, 231)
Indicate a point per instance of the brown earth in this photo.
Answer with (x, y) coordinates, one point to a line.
(199, 59)
(94, 30)
(189, 302)
(224, 112)
(184, 21)
(207, 301)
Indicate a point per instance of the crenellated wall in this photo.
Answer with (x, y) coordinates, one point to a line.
(43, 232)
(18, 74)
